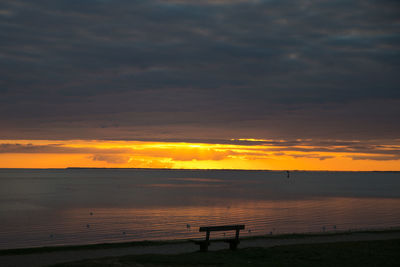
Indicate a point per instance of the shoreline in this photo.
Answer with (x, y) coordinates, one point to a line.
(152, 243)
(181, 169)
(95, 255)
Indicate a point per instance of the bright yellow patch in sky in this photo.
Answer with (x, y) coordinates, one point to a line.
(138, 154)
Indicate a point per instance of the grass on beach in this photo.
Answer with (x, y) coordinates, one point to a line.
(361, 253)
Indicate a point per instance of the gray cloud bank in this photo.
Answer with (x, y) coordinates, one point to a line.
(199, 69)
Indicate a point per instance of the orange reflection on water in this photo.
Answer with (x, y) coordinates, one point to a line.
(99, 224)
(261, 217)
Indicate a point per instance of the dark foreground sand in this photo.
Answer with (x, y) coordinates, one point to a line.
(49, 258)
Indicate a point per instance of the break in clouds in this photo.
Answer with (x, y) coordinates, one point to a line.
(262, 149)
(101, 69)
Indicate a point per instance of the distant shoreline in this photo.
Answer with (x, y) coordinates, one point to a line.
(173, 169)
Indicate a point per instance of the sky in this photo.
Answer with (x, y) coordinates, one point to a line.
(242, 84)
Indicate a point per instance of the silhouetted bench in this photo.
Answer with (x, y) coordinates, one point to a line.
(233, 242)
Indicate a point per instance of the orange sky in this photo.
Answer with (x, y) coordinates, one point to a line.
(139, 154)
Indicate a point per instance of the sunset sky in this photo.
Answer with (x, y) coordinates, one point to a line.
(210, 84)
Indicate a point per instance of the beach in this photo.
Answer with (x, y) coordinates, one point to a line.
(45, 256)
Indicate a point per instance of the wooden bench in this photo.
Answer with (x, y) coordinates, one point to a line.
(233, 242)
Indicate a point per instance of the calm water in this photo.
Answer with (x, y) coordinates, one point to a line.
(59, 207)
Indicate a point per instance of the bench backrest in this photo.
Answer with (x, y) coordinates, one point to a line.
(221, 228)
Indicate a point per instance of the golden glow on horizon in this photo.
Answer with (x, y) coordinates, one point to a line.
(139, 154)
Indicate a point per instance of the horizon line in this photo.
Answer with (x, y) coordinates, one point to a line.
(189, 169)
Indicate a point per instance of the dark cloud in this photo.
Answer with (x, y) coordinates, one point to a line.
(311, 156)
(372, 157)
(117, 159)
(58, 148)
(199, 69)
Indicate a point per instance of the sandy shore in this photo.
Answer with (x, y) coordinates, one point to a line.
(49, 258)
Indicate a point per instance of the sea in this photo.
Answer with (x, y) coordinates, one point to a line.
(74, 206)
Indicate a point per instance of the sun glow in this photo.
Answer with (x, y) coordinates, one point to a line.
(252, 154)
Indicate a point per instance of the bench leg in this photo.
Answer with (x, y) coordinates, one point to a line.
(233, 245)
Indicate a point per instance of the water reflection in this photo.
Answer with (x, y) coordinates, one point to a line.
(81, 226)
(61, 207)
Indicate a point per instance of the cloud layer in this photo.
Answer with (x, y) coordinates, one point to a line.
(199, 69)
